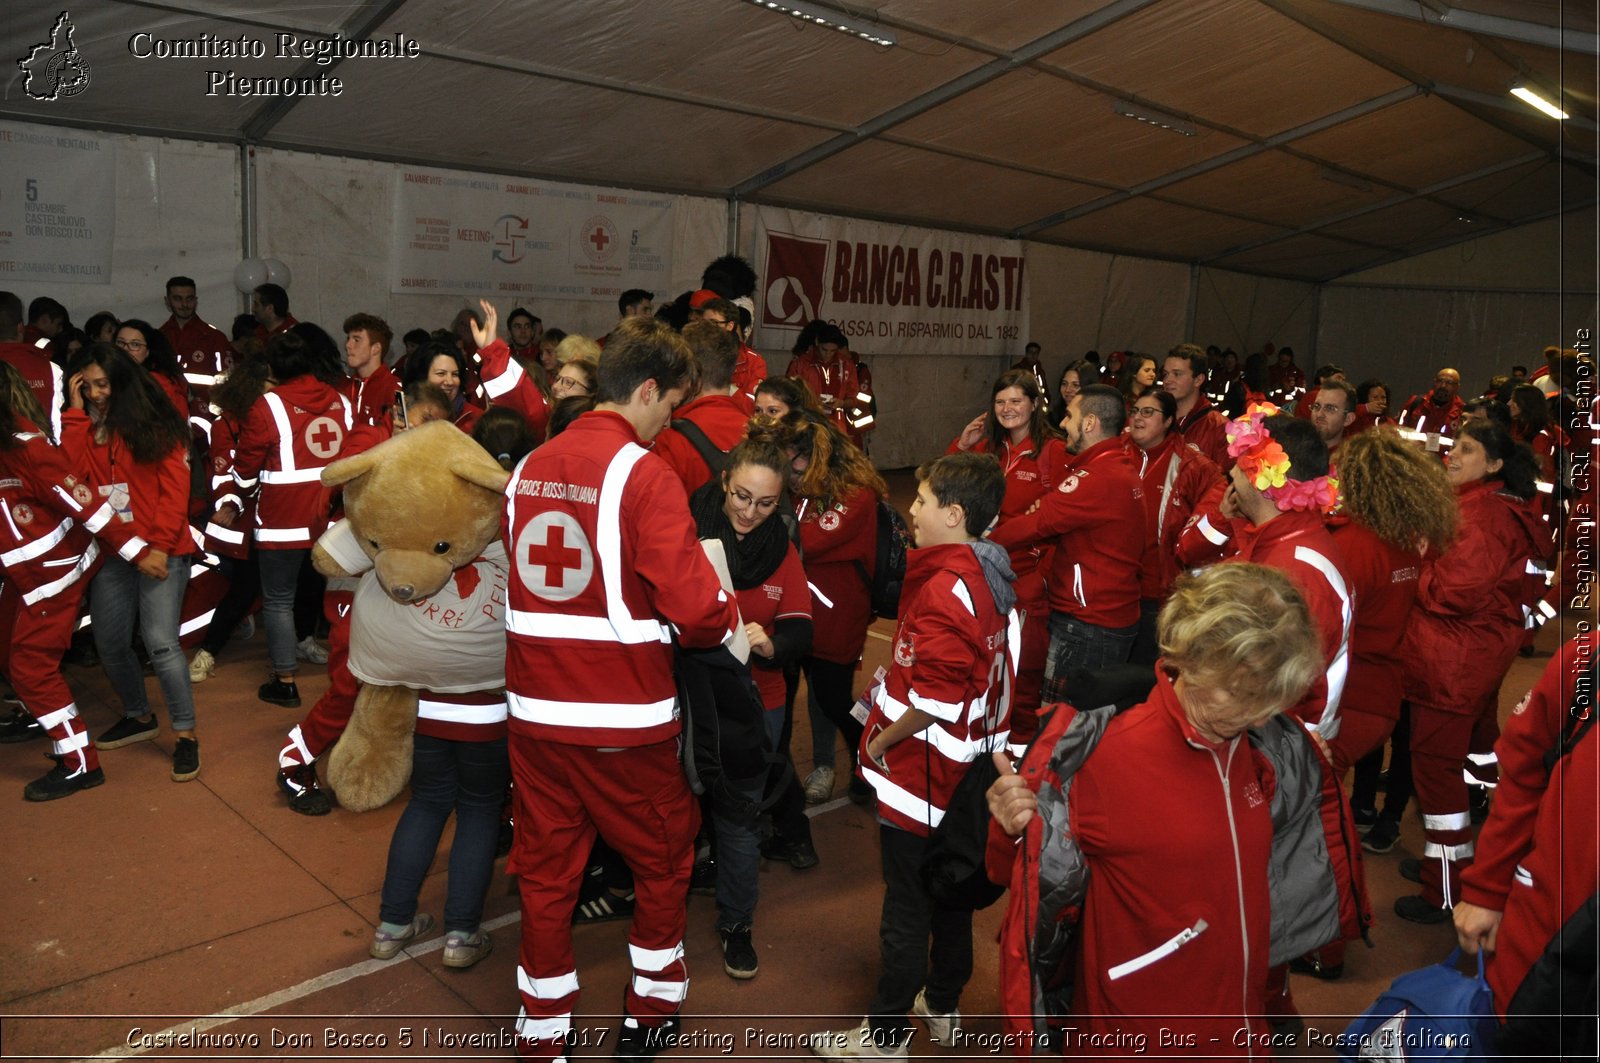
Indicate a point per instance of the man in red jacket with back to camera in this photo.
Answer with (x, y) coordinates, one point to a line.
(607, 572)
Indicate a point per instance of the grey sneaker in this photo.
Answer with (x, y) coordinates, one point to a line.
(203, 667)
(819, 785)
(385, 946)
(309, 649)
(464, 950)
(941, 1027)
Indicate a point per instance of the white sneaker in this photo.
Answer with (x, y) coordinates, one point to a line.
(819, 785)
(941, 1028)
(309, 649)
(856, 1043)
(203, 667)
(246, 629)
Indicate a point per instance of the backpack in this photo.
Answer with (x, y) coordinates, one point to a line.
(890, 571)
(714, 457)
(1433, 1013)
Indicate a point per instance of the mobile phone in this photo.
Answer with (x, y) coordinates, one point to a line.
(400, 404)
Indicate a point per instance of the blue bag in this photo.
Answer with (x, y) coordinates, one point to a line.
(1433, 1013)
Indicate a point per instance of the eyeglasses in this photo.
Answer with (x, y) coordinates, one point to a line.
(745, 501)
(1326, 407)
(133, 345)
(567, 383)
(1147, 411)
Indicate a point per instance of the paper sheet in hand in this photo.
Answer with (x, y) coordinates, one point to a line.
(739, 645)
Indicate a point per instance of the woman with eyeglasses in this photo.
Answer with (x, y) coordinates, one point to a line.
(576, 378)
(737, 510)
(1015, 431)
(133, 444)
(148, 347)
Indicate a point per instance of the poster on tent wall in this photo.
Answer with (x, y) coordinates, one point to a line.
(58, 197)
(892, 289)
(475, 234)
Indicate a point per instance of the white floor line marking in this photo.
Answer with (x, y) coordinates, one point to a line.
(293, 993)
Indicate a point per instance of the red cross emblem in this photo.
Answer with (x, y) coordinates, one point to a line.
(23, 512)
(554, 560)
(323, 437)
(599, 239)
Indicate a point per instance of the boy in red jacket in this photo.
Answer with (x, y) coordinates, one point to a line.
(943, 705)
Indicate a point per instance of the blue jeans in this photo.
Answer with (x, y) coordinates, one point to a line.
(469, 779)
(280, 572)
(738, 858)
(118, 597)
(1075, 645)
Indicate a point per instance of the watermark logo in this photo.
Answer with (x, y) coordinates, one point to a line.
(55, 69)
(598, 236)
(796, 268)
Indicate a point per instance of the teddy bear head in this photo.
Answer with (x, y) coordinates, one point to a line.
(421, 504)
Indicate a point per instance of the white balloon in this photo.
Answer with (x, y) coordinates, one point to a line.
(249, 275)
(277, 272)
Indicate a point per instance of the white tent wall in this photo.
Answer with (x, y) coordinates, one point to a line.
(177, 213)
(329, 219)
(1245, 313)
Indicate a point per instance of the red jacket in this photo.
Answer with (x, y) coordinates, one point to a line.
(952, 658)
(152, 498)
(292, 433)
(838, 385)
(230, 541)
(1383, 580)
(506, 383)
(606, 569)
(204, 355)
(1095, 520)
(372, 398)
(474, 716)
(721, 417)
(43, 376)
(1027, 479)
(1178, 479)
(1421, 415)
(748, 373)
(1207, 429)
(1298, 545)
(1471, 600)
(1537, 859)
(781, 596)
(840, 547)
(46, 540)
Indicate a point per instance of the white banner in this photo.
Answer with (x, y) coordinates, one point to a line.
(892, 289)
(466, 234)
(58, 195)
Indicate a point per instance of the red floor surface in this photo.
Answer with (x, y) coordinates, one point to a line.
(208, 909)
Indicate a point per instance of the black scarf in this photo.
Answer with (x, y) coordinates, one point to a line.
(754, 558)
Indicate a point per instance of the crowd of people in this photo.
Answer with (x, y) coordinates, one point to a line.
(1272, 576)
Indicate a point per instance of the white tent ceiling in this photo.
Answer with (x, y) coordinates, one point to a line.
(1328, 135)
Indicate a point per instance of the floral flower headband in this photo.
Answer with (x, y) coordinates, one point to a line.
(1264, 462)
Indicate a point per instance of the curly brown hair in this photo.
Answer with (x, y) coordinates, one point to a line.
(835, 467)
(1397, 490)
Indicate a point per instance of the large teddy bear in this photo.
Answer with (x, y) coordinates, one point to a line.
(422, 531)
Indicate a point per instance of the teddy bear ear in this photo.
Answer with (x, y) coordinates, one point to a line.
(483, 471)
(346, 469)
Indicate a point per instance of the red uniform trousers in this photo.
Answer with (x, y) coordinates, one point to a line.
(1440, 741)
(639, 802)
(31, 644)
(326, 721)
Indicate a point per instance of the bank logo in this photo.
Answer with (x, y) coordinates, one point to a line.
(796, 280)
(55, 69)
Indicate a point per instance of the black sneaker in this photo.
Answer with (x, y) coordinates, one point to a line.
(1365, 818)
(1411, 870)
(1414, 909)
(703, 879)
(637, 1043)
(276, 692)
(1382, 837)
(305, 795)
(738, 952)
(20, 727)
(60, 782)
(185, 760)
(603, 907)
(861, 792)
(1311, 964)
(1478, 803)
(127, 731)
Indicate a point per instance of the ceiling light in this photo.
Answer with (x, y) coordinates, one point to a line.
(1533, 99)
(1156, 118)
(823, 17)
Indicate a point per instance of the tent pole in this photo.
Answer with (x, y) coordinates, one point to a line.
(247, 206)
(733, 225)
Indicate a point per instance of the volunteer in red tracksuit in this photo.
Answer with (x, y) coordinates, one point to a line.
(1095, 520)
(1432, 417)
(942, 706)
(148, 347)
(719, 415)
(1177, 479)
(748, 373)
(835, 491)
(371, 385)
(134, 447)
(505, 382)
(49, 558)
(293, 432)
(1018, 433)
(445, 367)
(605, 570)
(829, 370)
(1537, 863)
(1463, 635)
(44, 377)
(202, 351)
(1183, 376)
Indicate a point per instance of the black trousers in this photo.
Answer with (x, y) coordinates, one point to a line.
(913, 932)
